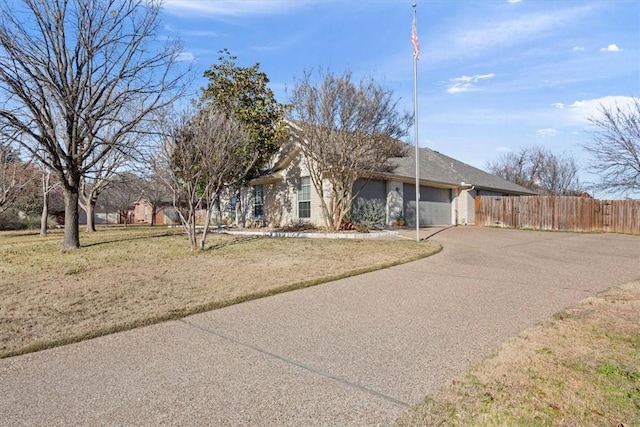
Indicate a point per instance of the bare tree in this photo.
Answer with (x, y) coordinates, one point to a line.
(156, 193)
(69, 69)
(96, 181)
(537, 169)
(47, 186)
(10, 179)
(203, 154)
(522, 167)
(615, 148)
(177, 164)
(124, 189)
(559, 175)
(346, 131)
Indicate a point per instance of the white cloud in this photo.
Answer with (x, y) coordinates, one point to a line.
(578, 49)
(185, 57)
(611, 48)
(514, 1)
(503, 149)
(475, 39)
(232, 7)
(547, 132)
(467, 83)
(558, 105)
(580, 111)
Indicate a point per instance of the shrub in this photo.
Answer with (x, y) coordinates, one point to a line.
(369, 212)
(297, 226)
(10, 220)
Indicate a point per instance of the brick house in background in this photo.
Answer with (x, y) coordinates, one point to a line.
(142, 210)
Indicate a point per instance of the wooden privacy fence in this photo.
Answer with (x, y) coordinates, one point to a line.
(559, 213)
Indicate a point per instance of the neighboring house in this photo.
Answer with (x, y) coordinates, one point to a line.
(285, 193)
(142, 210)
(100, 217)
(103, 214)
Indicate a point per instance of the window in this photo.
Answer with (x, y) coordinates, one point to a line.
(258, 201)
(304, 198)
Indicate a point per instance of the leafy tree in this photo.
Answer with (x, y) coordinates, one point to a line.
(346, 130)
(78, 78)
(537, 169)
(242, 93)
(615, 148)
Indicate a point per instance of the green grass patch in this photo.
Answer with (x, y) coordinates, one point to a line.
(582, 367)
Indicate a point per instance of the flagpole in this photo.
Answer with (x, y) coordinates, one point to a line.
(416, 55)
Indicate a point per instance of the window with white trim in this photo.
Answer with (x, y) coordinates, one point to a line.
(258, 201)
(304, 197)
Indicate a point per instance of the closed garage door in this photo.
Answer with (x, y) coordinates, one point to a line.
(435, 205)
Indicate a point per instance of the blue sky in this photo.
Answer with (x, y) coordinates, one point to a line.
(493, 75)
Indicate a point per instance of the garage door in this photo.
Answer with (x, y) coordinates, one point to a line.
(435, 205)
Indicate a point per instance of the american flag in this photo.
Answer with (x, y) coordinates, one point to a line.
(414, 38)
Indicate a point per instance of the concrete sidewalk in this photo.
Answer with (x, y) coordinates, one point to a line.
(358, 351)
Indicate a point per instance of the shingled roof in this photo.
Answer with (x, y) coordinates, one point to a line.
(437, 168)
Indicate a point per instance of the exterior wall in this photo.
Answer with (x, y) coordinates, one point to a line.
(99, 217)
(370, 189)
(395, 201)
(466, 207)
(280, 203)
(142, 213)
(281, 198)
(165, 215)
(467, 204)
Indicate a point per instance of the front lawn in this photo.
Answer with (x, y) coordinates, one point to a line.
(128, 277)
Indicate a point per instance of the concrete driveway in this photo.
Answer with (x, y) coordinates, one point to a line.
(358, 351)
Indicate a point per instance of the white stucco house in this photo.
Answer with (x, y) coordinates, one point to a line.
(284, 194)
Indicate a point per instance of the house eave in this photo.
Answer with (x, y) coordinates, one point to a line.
(271, 178)
(412, 180)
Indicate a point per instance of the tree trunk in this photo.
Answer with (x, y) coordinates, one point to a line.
(89, 208)
(154, 211)
(205, 230)
(240, 218)
(45, 215)
(192, 230)
(207, 220)
(71, 208)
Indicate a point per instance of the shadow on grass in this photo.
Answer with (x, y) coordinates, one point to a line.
(233, 242)
(131, 238)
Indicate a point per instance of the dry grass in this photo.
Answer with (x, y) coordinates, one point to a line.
(581, 368)
(124, 278)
